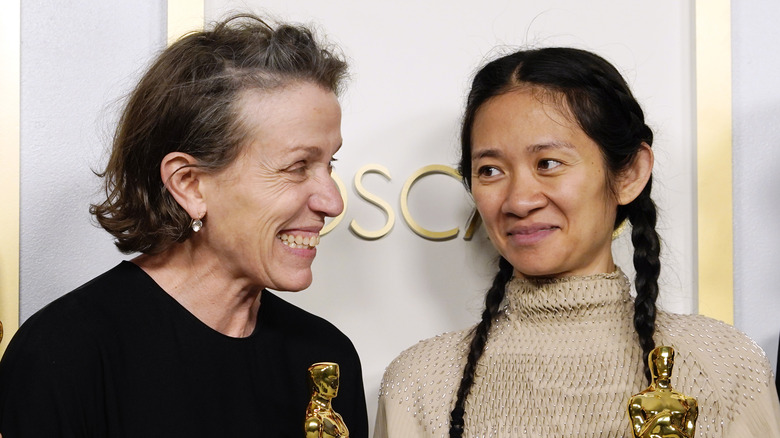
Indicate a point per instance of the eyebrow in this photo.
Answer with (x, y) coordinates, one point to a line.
(314, 151)
(486, 153)
(550, 145)
(534, 148)
(311, 150)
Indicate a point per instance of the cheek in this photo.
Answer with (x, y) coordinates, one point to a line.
(489, 208)
(587, 195)
(487, 201)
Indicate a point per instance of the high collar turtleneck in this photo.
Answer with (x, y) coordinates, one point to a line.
(568, 297)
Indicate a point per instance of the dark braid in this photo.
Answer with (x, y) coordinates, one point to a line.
(477, 346)
(647, 248)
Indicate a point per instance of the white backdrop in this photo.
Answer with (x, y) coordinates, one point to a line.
(411, 67)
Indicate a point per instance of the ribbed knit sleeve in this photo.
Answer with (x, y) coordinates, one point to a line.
(396, 423)
(761, 419)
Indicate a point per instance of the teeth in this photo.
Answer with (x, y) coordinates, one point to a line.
(299, 242)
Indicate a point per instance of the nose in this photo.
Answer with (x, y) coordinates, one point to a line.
(326, 198)
(524, 196)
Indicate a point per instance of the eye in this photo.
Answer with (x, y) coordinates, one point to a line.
(332, 164)
(488, 171)
(299, 167)
(548, 164)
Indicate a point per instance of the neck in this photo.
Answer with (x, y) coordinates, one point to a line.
(662, 384)
(319, 402)
(195, 280)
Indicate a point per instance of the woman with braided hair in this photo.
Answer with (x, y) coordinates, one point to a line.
(556, 154)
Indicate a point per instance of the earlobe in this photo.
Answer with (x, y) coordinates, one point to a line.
(181, 177)
(634, 178)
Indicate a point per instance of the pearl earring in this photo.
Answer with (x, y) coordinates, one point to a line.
(196, 225)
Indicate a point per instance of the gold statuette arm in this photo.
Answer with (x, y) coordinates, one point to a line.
(313, 427)
(662, 425)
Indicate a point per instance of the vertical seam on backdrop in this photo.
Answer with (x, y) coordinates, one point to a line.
(10, 109)
(715, 249)
(184, 16)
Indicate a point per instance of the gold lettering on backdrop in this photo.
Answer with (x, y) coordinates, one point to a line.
(374, 199)
(416, 176)
(475, 220)
(336, 220)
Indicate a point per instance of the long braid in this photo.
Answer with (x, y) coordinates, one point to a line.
(647, 248)
(623, 146)
(477, 345)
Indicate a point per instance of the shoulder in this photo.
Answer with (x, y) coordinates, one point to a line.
(426, 361)
(716, 363)
(278, 314)
(74, 328)
(114, 289)
(418, 387)
(707, 339)
(55, 358)
(83, 310)
(302, 334)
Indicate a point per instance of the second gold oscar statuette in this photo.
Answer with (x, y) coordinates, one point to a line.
(660, 411)
(321, 420)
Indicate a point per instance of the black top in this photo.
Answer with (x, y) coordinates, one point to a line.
(119, 357)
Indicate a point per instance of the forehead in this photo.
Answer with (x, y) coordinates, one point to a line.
(526, 102)
(525, 116)
(299, 115)
(286, 103)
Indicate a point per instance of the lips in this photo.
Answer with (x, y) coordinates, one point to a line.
(531, 234)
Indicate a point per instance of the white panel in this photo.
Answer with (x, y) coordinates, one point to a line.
(78, 60)
(411, 64)
(756, 115)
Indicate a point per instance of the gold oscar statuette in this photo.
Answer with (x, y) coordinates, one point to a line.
(659, 411)
(321, 420)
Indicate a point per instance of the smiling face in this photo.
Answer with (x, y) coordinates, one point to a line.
(540, 184)
(265, 210)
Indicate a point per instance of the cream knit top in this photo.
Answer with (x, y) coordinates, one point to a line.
(562, 360)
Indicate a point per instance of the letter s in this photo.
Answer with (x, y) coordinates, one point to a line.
(376, 200)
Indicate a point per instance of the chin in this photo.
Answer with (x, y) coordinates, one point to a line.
(296, 285)
(531, 271)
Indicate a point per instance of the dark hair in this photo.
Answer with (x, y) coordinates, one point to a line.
(188, 102)
(600, 101)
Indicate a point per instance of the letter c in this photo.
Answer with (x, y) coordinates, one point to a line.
(417, 228)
